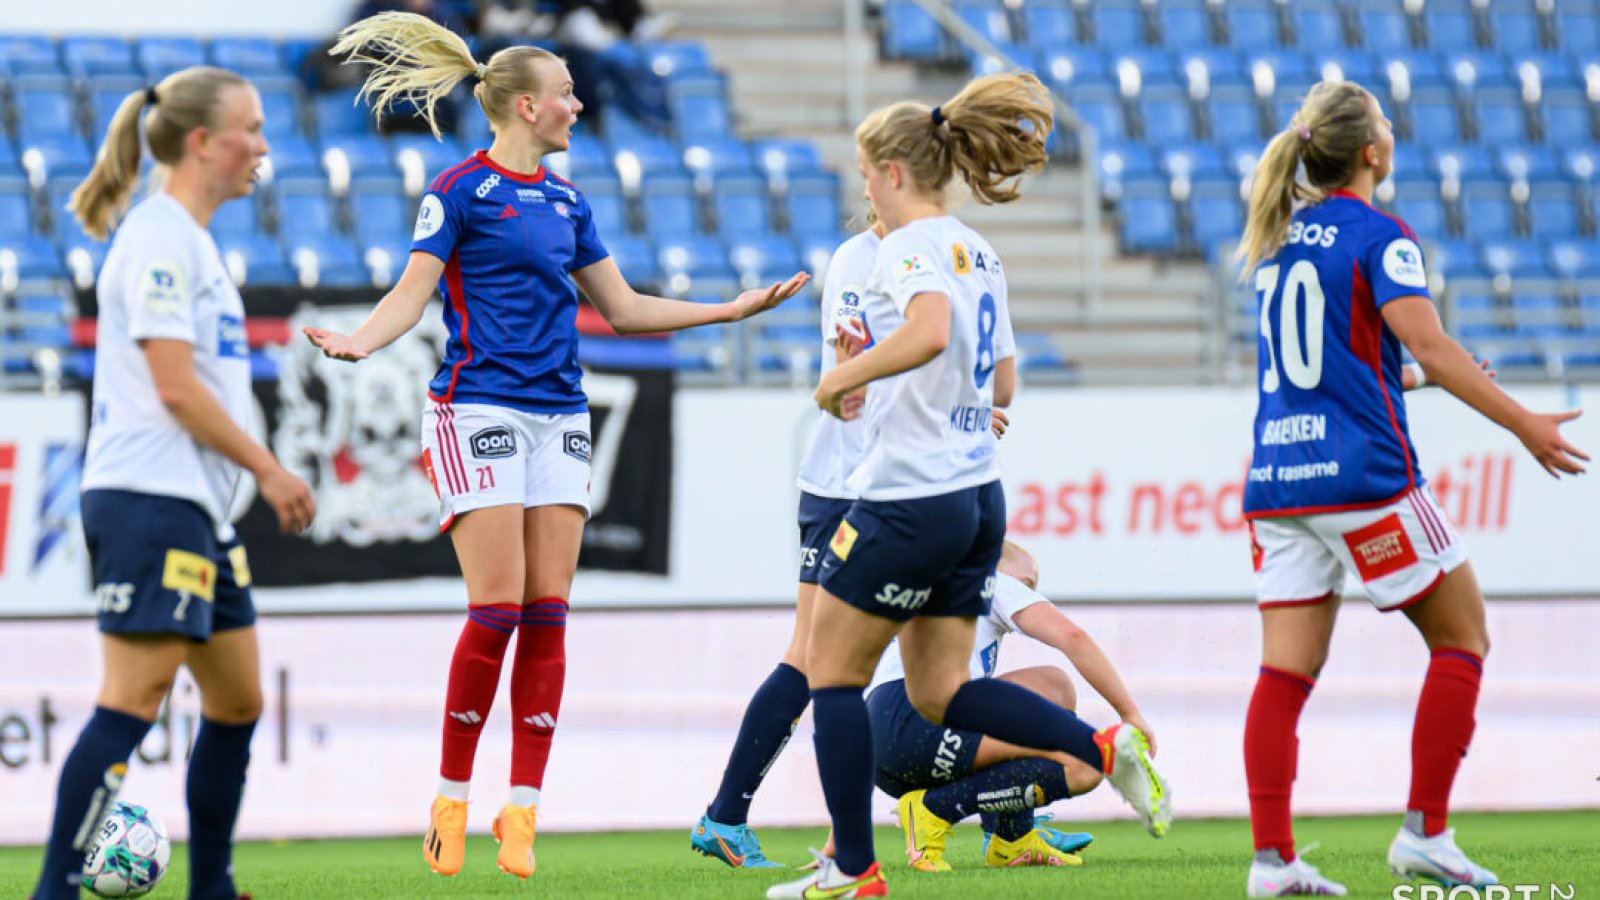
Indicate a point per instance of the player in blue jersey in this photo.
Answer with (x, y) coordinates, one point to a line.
(915, 555)
(1334, 485)
(167, 448)
(506, 434)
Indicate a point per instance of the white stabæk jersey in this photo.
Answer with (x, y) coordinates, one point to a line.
(836, 445)
(163, 278)
(928, 429)
(1010, 597)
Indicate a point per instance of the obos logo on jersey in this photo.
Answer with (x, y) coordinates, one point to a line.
(1402, 262)
(493, 443)
(430, 218)
(162, 288)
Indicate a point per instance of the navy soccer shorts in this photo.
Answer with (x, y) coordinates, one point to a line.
(159, 568)
(819, 519)
(912, 753)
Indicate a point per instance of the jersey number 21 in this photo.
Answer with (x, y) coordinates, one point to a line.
(1302, 365)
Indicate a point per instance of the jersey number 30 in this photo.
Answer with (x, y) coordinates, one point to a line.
(1302, 365)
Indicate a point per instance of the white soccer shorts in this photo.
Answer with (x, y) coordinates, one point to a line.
(479, 456)
(1399, 553)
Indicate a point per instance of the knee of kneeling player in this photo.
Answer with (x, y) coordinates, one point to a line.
(1081, 777)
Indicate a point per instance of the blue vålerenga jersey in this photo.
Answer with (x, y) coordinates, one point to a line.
(1330, 428)
(510, 242)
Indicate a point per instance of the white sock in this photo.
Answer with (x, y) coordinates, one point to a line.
(455, 790)
(524, 796)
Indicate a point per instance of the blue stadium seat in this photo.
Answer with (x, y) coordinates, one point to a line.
(1166, 116)
(1234, 117)
(236, 218)
(1514, 30)
(105, 98)
(472, 130)
(1551, 212)
(1099, 108)
(715, 158)
(1149, 222)
(1589, 315)
(988, 18)
(584, 160)
(1070, 68)
(1480, 69)
(651, 156)
(1216, 213)
(1462, 161)
(910, 33)
(763, 259)
(26, 54)
(1449, 26)
(781, 157)
(607, 204)
(1479, 317)
(1516, 258)
(1383, 28)
(380, 215)
(16, 214)
(1499, 117)
(293, 156)
(367, 155)
(1251, 25)
(699, 106)
(1580, 163)
(1049, 24)
(303, 207)
(812, 206)
(262, 258)
(1434, 117)
(1117, 24)
(636, 258)
(1539, 316)
(280, 105)
(698, 257)
(44, 107)
(1353, 65)
(36, 256)
(1424, 68)
(1568, 118)
(1194, 161)
(340, 114)
(1318, 27)
(1119, 161)
(1574, 258)
(1222, 67)
(1578, 29)
(63, 155)
(1528, 163)
(1453, 258)
(1486, 209)
(338, 262)
(159, 57)
(741, 205)
(669, 59)
(247, 56)
(1185, 24)
(1419, 205)
(670, 208)
(89, 56)
(1156, 67)
(1240, 159)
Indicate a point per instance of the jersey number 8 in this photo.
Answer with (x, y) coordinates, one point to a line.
(987, 314)
(1301, 364)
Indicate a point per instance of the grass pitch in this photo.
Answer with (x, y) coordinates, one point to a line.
(1201, 859)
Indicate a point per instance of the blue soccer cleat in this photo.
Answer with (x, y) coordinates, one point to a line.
(736, 845)
(1063, 841)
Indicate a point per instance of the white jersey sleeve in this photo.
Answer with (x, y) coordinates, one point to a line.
(844, 287)
(910, 265)
(1011, 597)
(161, 296)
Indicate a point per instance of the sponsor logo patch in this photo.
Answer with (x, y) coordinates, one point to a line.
(843, 539)
(190, 573)
(487, 185)
(1381, 548)
(529, 195)
(1402, 262)
(911, 265)
(562, 209)
(163, 288)
(959, 259)
(430, 218)
(495, 442)
(240, 563)
(576, 445)
(232, 341)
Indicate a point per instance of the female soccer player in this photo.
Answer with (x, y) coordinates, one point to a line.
(918, 549)
(167, 445)
(1334, 485)
(506, 434)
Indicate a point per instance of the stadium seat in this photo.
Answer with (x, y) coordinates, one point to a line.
(988, 18)
(699, 105)
(1185, 24)
(1193, 161)
(33, 256)
(159, 57)
(812, 205)
(363, 156)
(910, 33)
(335, 260)
(44, 107)
(1155, 67)
(280, 106)
(644, 159)
(1318, 26)
(1352, 65)
(670, 207)
(1423, 68)
(582, 161)
(1049, 24)
(247, 56)
(1383, 28)
(762, 259)
(1216, 214)
(1499, 118)
(1251, 25)
(1449, 26)
(716, 158)
(1099, 107)
(1539, 315)
(1480, 69)
(1486, 209)
(607, 205)
(780, 158)
(1121, 161)
(741, 206)
(1149, 223)
(57, 156)
(1577, 29)
(16, 215)
(636, 258)
(23, 54)
(379, 215)
(1233, 117)
(236, 218)
(697, 257)
(1514, 30)
(1568, 118)
(1551, 212)
(1462, 161)
(668, 59)
(1515, 258)
(292, 156)
(1575, 258)
(1418, 204)
(1452, 258)
(341, 114)
(1165, 115)
(259, 256)
(1434, 117)
(1117, 24)
(303, 207)
(1222, 66)
(89, 56)
(1069, 68)
(1521, 162)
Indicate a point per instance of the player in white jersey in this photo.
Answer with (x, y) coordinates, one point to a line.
(917, 551)
(167, 446)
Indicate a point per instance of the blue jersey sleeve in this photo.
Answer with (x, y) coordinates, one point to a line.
(1393, 264)
(587, 248)
(439, 225)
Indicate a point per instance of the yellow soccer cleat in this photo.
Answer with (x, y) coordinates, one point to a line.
(445, 844)
(925, 833)
(1029, 850)
(513, 828)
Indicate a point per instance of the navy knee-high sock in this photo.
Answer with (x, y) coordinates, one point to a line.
(844, 760)
(214, 788)
(90, 779)
(1018, 785)
(1010, 826)
(769, 720)
(1017, 715)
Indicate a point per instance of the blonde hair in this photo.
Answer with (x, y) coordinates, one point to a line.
(417, 60)
(185, 100)
(1325, 136)
(991, 132)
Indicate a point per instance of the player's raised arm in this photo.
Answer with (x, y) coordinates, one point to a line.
(1048, 625)
(630, 312)
(397, 313)
(924, 336)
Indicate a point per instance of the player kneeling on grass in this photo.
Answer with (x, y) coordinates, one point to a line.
(942, 775)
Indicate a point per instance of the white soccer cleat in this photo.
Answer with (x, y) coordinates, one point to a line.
(826, 881)
(1437, 859)
(1292, 879)
(1133, 774)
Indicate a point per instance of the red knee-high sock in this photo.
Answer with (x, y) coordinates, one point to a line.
(1442, 732)
(474, 678)
(538, 674)
(1271, 754)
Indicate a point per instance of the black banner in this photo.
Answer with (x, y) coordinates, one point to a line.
(352, 432)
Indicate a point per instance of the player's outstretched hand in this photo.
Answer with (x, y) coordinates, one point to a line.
(999, 422)
(335, 345)
(1541, 434)
(760, 300)
(289, 497)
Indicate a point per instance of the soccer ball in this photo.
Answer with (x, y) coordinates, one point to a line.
(130, 855)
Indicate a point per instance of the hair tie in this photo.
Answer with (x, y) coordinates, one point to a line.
(1303, 130)
(483, 69)
(150, 97)
(938, 117)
